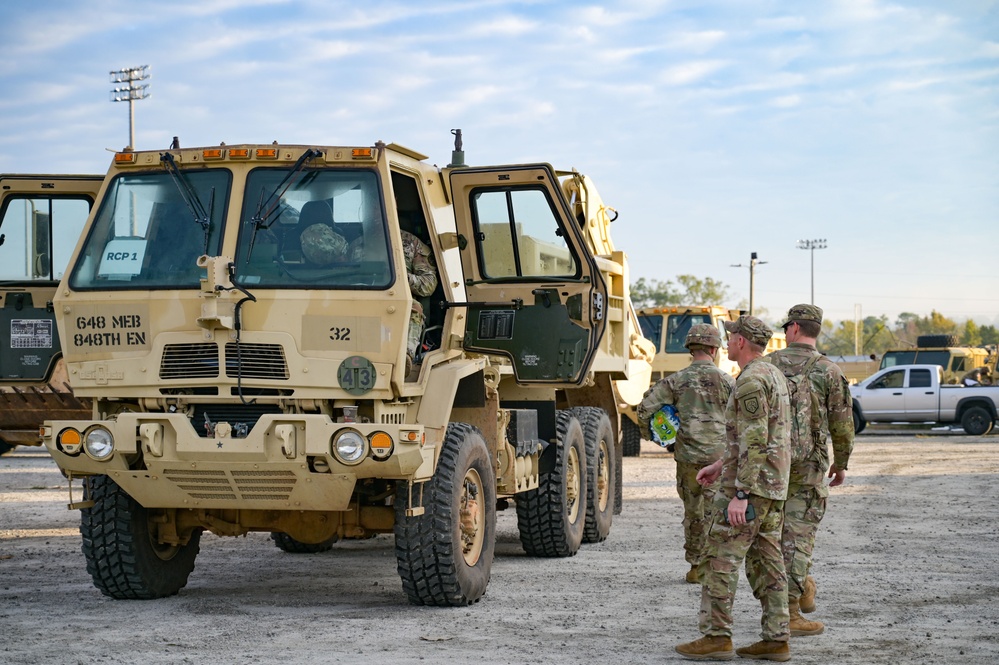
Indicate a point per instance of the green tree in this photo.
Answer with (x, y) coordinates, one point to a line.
(705, 291)
(989, 334)
(653, 293)
(972, 334)
(840, 339)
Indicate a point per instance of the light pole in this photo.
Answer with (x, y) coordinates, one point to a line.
(812, 245)
(130, 92)
(752, 269)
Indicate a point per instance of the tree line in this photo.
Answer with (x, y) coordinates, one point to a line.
(876, 333)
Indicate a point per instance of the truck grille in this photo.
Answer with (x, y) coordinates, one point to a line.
(189, 361)
(256, 361)
(274, 485)
(234, 414)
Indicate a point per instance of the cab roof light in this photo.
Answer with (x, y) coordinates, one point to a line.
(267, 153)
(213, 153)
(124, 158)
(239, 153)
(361, 153)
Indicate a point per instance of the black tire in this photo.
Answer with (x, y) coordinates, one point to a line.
(445, 556)
(936, 341)
(5, 447)
(858, 422)
(551, 518)
(601, 480)
(976, 421)
(631, 438)
(288, 544)
(122, 558)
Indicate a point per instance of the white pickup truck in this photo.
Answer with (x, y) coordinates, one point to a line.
(915, 394)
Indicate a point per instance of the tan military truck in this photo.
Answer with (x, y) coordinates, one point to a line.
(41, 217)
(249, 368)
(942, 350)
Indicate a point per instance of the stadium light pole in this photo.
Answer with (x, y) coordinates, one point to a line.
(752, 277)
(811, 246)
(131, 91)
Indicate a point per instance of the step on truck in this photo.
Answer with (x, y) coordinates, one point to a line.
(241, 317)
(41, 217)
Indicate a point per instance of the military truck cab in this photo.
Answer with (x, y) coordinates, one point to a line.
(244, 318)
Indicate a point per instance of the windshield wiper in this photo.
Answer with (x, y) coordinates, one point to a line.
(273, 200)
(194, 204)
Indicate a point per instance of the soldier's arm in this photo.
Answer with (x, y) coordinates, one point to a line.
(423, 277)
(839, 407)
(753, 432)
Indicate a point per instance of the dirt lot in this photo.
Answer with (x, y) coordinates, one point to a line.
(907, 565)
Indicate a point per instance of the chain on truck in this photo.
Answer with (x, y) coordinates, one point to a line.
(242, 381)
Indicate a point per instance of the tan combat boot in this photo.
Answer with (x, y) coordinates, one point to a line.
(779, 651)
(709, 647)
(692, 575)
(807, 600)
(801, 626)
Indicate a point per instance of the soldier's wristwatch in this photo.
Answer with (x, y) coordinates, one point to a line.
(741, 496)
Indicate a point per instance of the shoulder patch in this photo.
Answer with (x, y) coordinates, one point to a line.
(750, 403)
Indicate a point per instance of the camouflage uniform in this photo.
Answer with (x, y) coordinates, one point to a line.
(700, 393)
(807, 493)
(422, 274)
(757, 460)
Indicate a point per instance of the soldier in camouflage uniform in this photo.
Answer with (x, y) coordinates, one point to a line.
(422, 273)
(823, 411)
(753, 472)
(700, 394)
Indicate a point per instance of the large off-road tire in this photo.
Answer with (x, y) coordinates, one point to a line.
(936, 341)
(858, 422)
(122, 557)
(631, 438)
(288, 544)
(445, 555)
(601, 476)
(976, 421)
(551, 518)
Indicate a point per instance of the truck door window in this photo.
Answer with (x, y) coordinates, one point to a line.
(919, 378)
(677, 329)
(652, 328)
(894, 379)
(519, 235)
(39, 235)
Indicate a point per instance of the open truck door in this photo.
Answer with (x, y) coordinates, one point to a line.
(535, 295)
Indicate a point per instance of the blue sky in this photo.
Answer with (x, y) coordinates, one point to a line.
(717, 128)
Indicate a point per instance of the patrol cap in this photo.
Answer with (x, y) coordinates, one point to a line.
(751, 328)
(703, 333)
(803, 312)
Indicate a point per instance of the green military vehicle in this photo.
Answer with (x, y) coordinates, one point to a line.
(248, 368)
(41, 217)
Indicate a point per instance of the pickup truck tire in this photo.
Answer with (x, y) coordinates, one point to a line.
(858, 422)
(631, 438)
(288, 544)
(976, 421)
(122, 557)
(601, 481)
(551, 518)
(445, 555)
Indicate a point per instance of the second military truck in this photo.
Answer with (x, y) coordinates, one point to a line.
(242, 318)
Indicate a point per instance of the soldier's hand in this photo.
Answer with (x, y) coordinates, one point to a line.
(709, 474)
(837, 474)
(737, 511)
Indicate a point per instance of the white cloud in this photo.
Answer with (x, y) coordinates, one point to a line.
(696, 42)
(786, 102)
(691, 72)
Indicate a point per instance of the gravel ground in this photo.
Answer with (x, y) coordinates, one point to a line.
(906, 563)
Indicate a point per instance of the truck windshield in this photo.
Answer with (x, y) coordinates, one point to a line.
(145, 237)
(916, 357)
(678, 327)
(327, 231)
(652, 328)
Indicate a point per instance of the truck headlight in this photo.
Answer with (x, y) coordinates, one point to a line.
(98, 443)
(349, 446)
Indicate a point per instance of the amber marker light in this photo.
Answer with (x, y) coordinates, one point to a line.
(124, 158)
(212, 153)
(266, 153)
(69, 441)
(361, 153)
(381, 445)
(239, 153)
